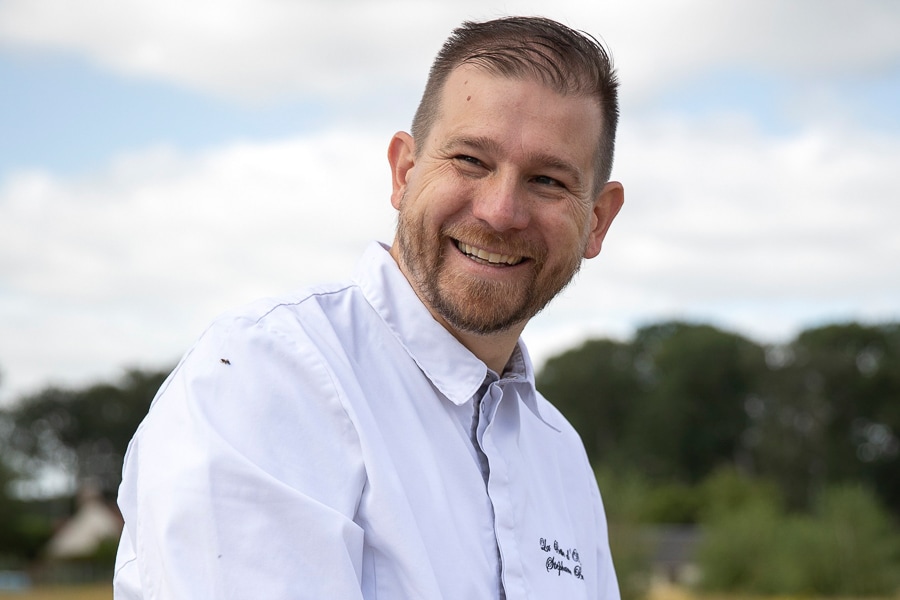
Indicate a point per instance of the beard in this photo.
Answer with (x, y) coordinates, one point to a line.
(479, 305)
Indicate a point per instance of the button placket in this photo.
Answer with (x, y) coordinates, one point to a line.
(490, 400)
(495, 440)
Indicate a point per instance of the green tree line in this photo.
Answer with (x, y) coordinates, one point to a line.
(680, 400)
(78, 434)
(787, 455)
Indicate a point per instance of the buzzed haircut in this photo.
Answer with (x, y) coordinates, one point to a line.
(568, 61)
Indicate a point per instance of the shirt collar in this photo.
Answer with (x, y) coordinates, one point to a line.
(455, 371)
(521, 371)
(451, 367)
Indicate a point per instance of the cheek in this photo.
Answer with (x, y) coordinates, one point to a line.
(566, 229)
(439, 202)
(567, 242)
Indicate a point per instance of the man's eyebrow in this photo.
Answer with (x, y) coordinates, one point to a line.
(555, 162)
(540, 159)
(476, 142)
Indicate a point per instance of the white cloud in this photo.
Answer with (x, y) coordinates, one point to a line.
(761, 234)
(127, 266)
(257, 50)
(721, 221)
(251, 50)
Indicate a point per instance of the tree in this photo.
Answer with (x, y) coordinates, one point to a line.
(595, 386)
(83, 431)
(23, 529)
(697, 381)
(680, 399)
(10, 513)
(670, 404)
(831, 412)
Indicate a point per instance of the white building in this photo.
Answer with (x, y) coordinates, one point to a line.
(93, 523)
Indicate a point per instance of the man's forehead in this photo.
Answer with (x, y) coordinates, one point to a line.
(525, 73)
(471, 89)
(477, 74)
(487, 73)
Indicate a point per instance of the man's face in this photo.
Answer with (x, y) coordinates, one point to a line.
(498, 207)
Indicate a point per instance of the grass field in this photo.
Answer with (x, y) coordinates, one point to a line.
(102, 591)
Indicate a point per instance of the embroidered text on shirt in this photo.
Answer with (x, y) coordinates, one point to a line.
(561, 559)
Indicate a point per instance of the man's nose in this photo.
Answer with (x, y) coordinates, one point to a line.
(501, 204)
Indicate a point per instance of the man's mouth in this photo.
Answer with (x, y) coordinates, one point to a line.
(485, 257)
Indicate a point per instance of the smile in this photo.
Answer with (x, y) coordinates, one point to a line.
(486, 257)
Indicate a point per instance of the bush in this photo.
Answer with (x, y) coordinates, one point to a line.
(727, 491)
(854, 548)
(735, 551)
(846, 547)
(622, 497)
(670, 503)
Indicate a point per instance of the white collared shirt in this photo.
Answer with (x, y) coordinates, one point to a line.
(320, 446)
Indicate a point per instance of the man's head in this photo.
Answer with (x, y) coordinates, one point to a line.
(565, 60)
(499, 189)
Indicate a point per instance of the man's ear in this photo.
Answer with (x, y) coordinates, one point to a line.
(402, 156)
(607, 205)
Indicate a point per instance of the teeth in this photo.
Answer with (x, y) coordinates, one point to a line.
(491, 257)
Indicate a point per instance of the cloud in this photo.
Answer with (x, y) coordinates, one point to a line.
(128, 265)
(722, 221)
(791, 216)
(249, 50)
(803, 38)
(263, 50)
(758, 233)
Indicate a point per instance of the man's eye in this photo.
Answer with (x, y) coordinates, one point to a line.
(469, 159)
(544, 180)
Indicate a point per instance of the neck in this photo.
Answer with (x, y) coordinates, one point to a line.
(494, 349)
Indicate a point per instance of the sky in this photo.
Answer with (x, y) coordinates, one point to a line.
(162, 162)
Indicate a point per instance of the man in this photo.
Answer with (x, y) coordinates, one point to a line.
(382, 438)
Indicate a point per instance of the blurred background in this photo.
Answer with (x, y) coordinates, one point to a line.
(731, 357)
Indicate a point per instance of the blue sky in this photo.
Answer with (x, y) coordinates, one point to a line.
(104, 114)
(160, 165)
(69, 116)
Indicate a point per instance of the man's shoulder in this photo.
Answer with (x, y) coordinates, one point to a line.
(291, 309)
(320, 303)
(293, 329)
(307, 320)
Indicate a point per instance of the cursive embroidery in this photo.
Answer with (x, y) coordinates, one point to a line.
(555, 565)
(561, 559)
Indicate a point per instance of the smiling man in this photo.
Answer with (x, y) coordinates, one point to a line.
(499, 203)
(382, 437)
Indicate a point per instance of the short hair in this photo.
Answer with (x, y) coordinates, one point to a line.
(565, 60)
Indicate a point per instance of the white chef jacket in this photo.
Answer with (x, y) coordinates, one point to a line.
(322, 445)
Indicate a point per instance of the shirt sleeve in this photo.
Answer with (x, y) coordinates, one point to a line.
(243, 480)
